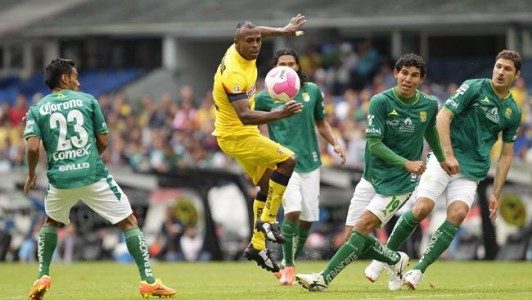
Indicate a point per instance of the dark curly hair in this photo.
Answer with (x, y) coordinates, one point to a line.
(411, 60)
(302, 76)
(56, 68)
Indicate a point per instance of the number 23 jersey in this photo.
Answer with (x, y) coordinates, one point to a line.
(68, 122)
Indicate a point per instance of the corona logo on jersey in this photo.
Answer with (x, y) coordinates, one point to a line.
(49, 108)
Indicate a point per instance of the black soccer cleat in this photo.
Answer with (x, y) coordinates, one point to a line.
(272, 231)
(263, 258)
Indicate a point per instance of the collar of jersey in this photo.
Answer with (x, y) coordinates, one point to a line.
(406, 101)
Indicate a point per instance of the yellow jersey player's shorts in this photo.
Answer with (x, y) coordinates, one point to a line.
(254, 153)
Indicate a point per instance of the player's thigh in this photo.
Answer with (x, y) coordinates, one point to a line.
(59, 202)
(256, 153)
(433, 182)
(292, 196)
(461, 188)
(310, 191)
(107, 199)
(362, 196)
(384, 207)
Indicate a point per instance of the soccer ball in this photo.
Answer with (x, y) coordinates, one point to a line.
(282, 83)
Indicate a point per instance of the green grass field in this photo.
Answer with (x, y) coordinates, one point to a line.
(244, 280)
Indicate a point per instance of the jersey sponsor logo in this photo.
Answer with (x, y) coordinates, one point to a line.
(423, 116)
(374, 131)
(74, 167)
(370, 120)
(393, 123)
(49, 108)
(236, 89)
(251, 91)
(29, 126)
(407, 126)
(461, 90)
(393, 113)
(493, 115)
(452, 103)
(70, 154)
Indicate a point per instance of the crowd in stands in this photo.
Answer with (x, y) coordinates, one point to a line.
(165, 134)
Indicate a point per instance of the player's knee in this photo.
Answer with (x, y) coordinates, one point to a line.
(128, 223)
(289, 164)
(457, 214)
(422, 209)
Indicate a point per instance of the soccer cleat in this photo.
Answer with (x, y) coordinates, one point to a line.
(263, 258)
(373, 270)
(312, 282)
(413, 278)
(288, 276)
(271, 230)
(396, 272)
(155, 289)
(281, 267)
(40, 287)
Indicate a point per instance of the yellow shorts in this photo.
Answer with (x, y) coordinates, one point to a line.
(254, 153)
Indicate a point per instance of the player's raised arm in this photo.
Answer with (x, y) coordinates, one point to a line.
(291, 29)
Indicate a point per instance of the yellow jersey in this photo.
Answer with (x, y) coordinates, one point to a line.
(234, 80)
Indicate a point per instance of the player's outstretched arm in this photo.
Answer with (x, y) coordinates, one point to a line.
(291, 29)
(252, 117)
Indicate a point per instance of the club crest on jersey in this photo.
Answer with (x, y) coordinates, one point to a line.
(508, 113)
(423, 116)
(306, 97)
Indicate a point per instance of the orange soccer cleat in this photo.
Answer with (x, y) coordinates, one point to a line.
(39, 288)
(155, 289)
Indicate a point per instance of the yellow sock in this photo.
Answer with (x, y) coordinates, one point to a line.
(273, 202)
(258, 239)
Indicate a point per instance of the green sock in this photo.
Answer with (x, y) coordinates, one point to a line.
(302, 235)
(439, 242)
(402, 231)
(289, 229)
(375, 250)
(137, 246)
(348, 253)
(45, 248)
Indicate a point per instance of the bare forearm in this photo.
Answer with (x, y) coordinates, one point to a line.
(326, 132)
(252, 117)
(443, 125)
(503, 166)
(267, 31)
(33, 160)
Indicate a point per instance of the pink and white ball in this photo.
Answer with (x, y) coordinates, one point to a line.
(282, 83)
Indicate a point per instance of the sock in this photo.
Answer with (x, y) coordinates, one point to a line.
(402, 231)
(375, 250)
(278, 183)
(289, 231)
(45, 248)
(258, 239)
(348, 253)
(138, 248)
(439, 242)
(302, 235)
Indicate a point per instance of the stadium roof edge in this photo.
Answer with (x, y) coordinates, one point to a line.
(226, 28)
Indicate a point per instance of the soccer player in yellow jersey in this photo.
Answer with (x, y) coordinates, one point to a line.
(267, 163)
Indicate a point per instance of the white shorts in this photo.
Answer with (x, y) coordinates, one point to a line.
(303, 194)
(366, 198)
(104, 197)
(436, 184)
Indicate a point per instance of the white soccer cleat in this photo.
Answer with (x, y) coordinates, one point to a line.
(413, 278)
(373, 270)
(313, 282)
(396, 272)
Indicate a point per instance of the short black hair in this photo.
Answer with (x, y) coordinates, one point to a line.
(411, 60)
(302, 76)
(244, 25)
(511, 55)
(56, 68)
